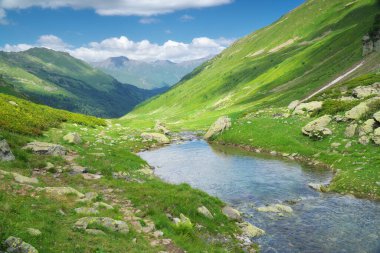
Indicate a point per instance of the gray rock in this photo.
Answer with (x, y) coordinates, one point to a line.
(250, 230)
(205, 212)
(34, 232)
(62, 191)
(94, 232)
(316, 186)
(376, 136)
(317, 128)
(89, 197)
(103, 205)
(86, 210)
(367, 127)
(364, 140)
(357, 112)
(231, 213)
(160, 138)
(44, 148)
(5, 151)
(221, 124)
(276, 208)
(308, 107)
(366, 91)
(161, 127)
(17, 245)
(376, 116)
(73, 138)
(293, 105)
(24, 180)
(13, 103)
(351, 130)
(113, 225)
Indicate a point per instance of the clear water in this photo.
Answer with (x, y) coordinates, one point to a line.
(321, 223)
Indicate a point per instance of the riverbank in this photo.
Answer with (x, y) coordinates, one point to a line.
(104, 164)
(355, 166)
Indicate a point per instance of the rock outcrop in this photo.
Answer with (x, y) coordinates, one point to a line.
(376, 116)
(317, 128)
(62, 191)
(293, 105)
(44, 148)
(222, 124)
(5, 151)
(160, 138)
(376, 136)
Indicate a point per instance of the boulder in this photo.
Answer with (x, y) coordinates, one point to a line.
(44, 148)
(160, 138)
(376, 136)
(376, 116)
(366, 91)
(5, 151)
(94, 232)
(316, 186)
(293, 105)
(73, 138)
(13, 103)
(367, 127)
(205, 212)
(317, 128)
(62, 191)
(231, 213)
(161, 127)
(89, 176)
(251, 231)
(89, 197)
(106, 222)
(221, 124)
(351, 130)
(34, 232)
(308, 107)
(357, 112)
(276, 208)
(364, 140)
(86, 210)
(24, 180)
(103, 205)
(17, 245)
(183, 221)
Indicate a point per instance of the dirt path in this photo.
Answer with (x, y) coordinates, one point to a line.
(332, 83)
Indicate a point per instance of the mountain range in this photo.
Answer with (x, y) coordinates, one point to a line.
(62, 81)
(147, 75)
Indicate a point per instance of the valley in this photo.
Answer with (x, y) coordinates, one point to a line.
(270, 146)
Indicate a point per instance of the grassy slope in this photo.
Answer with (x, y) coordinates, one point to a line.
(61, 81)
(20, 209)
(327, 41)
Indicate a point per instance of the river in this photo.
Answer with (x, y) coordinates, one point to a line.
(320, 223)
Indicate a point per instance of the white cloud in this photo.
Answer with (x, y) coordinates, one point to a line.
(141, 50)
(52, 42)
(116, 7)
(186, 18)
(147, 21)
(3, 17)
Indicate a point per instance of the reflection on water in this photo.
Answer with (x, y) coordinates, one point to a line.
(321, 223)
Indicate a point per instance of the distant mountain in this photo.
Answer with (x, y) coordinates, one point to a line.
(147, 75)
(61, 81)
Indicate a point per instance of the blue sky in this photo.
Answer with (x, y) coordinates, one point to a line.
(69, 27)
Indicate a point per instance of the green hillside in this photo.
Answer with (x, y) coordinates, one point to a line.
(59, 80)
(302, 51)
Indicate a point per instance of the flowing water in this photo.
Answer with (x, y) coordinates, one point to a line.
(320, 223)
